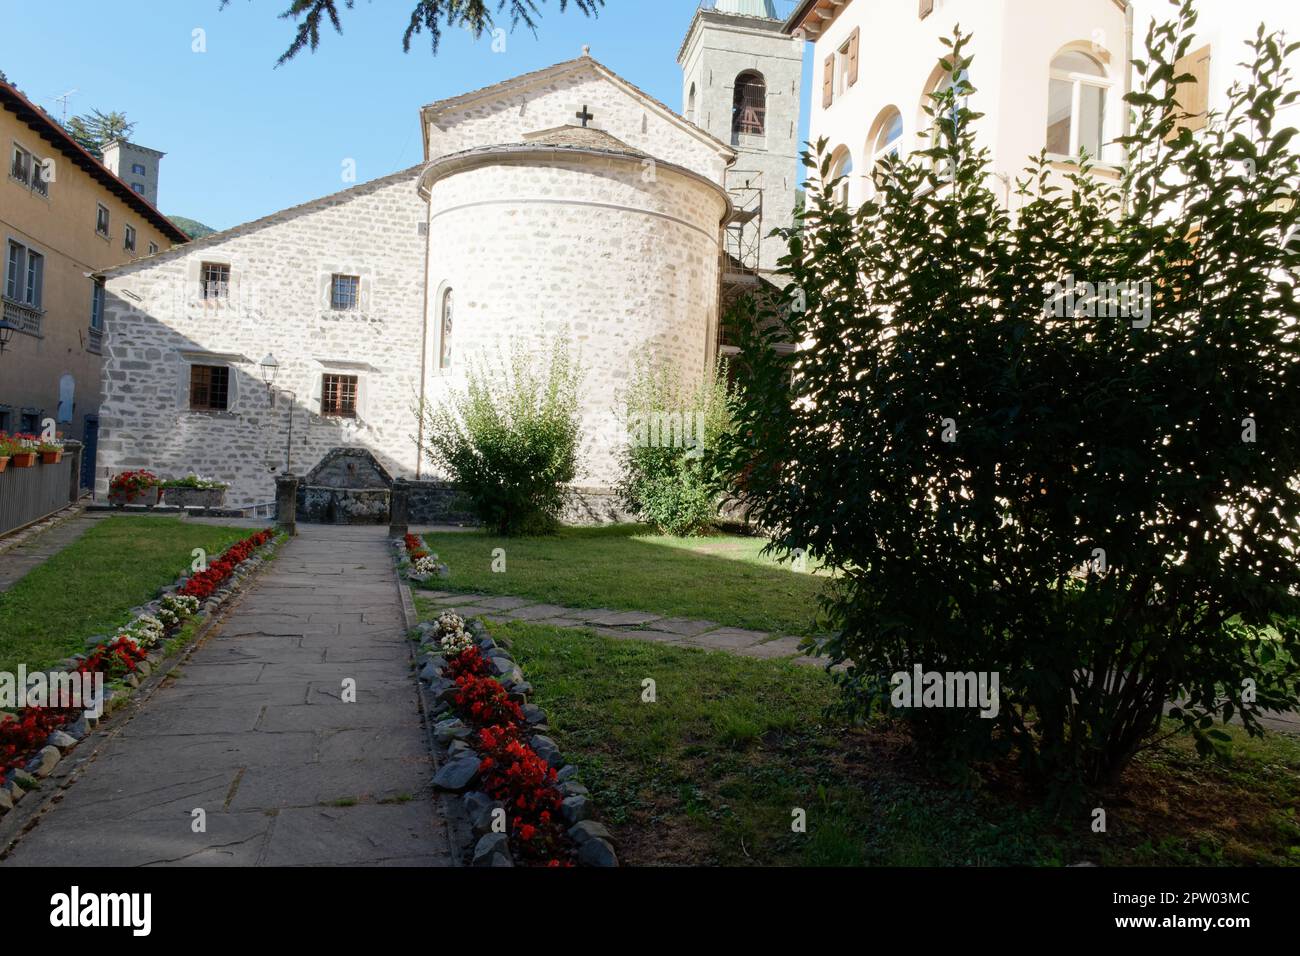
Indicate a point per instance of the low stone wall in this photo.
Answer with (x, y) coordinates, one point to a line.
(343, 505)
(437, 502)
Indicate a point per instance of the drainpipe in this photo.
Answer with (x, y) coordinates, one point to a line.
(424, 358)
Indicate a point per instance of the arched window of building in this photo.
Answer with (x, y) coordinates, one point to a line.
(887, 136)
(749, 106)
(444, 339)
(1076, 105)
(690, 105)
(842, 174)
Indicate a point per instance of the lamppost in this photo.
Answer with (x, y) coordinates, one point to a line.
(6, 334)
(270, 367)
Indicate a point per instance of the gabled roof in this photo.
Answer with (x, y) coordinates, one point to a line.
(44, 125)
(436, 111)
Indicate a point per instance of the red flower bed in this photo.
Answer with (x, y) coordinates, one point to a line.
(205, 583)
(24, 735)
(511, 770)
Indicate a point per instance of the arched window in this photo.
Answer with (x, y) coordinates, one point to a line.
(842, 170)
(887, 138)
(749, 106)
(1076, 105)
(690, 104)
(444, 347)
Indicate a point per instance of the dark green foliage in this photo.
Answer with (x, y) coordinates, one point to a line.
(431, 15)
(510, 440)
(1098, 528)
(669, 479)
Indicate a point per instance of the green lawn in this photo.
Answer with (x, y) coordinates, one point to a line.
(711, 772)
(628, 568)
(91, 586)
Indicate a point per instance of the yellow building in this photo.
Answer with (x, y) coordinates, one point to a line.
(63, 217)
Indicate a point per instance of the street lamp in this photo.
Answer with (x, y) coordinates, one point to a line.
(270, 368)
(6, 333)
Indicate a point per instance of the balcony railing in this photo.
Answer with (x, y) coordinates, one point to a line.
(23, 317)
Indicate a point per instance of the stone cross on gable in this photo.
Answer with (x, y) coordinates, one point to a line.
(585, 116)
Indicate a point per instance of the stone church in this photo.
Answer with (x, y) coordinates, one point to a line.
(565, 202)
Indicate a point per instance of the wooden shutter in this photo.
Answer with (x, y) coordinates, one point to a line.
(927, 8)
(828, 82)
(1193, 97)
(853, 55)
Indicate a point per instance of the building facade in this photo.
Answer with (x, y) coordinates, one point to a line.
(742, 81)
(563, 204)
(135, 165)
(63, 218)
(1049, 75)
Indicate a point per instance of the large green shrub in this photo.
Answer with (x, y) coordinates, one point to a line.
(510, 439)
(670, 478)
(1101, 510)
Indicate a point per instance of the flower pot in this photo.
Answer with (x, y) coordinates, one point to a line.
(4, 463)
(51, 457)
(194, 497)
(24, 459)
(149, 498)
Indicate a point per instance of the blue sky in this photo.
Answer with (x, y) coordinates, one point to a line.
(244, 139)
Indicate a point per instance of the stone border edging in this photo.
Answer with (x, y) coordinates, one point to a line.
(27, 812)
(474, 811)
(456, 820)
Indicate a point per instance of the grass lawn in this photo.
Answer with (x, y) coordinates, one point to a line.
(91, 586)
(711, 772)
(629, 568)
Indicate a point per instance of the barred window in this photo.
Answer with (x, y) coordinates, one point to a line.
(128, 239)
(339, 396)
(215, 278)
(21, 167)
(101, 219)
(345, 293)
(209, 388)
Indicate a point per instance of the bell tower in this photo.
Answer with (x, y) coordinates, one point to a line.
(742, 82)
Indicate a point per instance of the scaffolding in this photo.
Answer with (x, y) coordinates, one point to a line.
(743, 236)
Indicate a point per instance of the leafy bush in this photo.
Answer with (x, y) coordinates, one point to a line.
(1101, 510)
(669, 478)
(510, 440)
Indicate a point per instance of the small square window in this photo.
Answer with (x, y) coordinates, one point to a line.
(209, 388)
(101, 220)
(215, 278)
(345, 293)
(138, 187)
(128, 239)
(339, 396)
(137, 169)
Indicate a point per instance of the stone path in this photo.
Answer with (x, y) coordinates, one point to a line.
(41, 545)
(253, 731)
(635, 625)
(681, 632)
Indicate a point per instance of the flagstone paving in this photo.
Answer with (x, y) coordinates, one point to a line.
(253, 731)
(627, 625)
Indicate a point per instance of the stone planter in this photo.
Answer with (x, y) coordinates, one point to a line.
(24, 459)
(51, 457)
(194, 497)
(149, 498)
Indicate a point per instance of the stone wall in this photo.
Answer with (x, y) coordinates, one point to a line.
(554, 101)
(157, 326)
(538, 247)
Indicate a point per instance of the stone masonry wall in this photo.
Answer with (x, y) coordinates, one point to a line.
(584, 247)
(157, 326)
(554, 103)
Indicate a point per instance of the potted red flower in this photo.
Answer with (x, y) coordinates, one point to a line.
(50, 450)
(134, 488)
(24, 451)
(6, 450)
